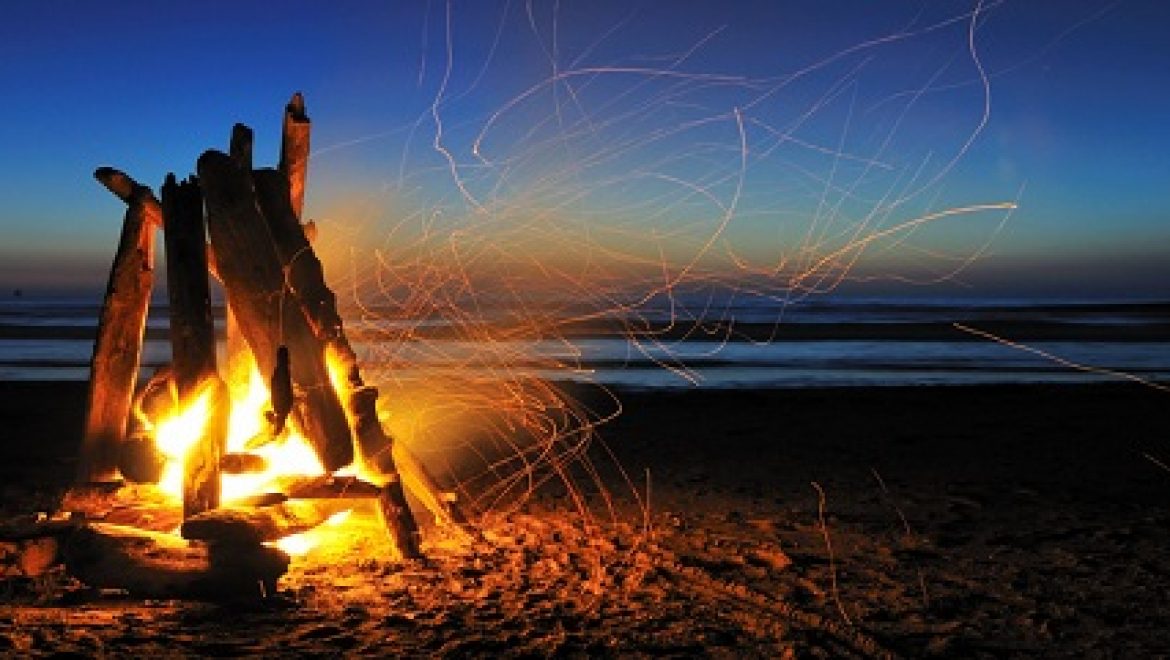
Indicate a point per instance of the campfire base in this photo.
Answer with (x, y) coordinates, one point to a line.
(155, 565)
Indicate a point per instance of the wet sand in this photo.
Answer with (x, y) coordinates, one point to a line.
(962, 521)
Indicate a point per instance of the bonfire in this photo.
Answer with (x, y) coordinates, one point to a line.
(205, 479)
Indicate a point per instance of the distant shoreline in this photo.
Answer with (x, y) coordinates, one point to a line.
(720, 331)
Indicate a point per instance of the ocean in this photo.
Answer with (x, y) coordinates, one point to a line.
(760, 344)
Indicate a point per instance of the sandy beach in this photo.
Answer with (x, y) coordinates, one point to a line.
(957, 522)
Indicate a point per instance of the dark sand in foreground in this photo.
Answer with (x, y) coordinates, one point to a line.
(964, 521)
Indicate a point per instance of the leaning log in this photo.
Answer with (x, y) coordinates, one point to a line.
(246, 524)
(294, 151)
(255, 284)
(118, 346)
(154, 565)
(399, 521)
(442, 505)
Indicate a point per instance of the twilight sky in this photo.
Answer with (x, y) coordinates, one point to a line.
(748, 137)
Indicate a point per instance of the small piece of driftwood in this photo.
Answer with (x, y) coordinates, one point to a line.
(242, 463)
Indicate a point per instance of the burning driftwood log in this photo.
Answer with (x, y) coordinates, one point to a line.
(193, 339)
(118, 347)
(282, 316)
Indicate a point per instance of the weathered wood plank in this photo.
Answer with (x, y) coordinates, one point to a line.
(118, 346)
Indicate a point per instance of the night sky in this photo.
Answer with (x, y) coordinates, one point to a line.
(624, 116)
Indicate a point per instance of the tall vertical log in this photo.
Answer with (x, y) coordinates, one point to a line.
(239, 362)
(118, 347)
(255, 283)
(294, 151)
(192, 329)
(193, 339)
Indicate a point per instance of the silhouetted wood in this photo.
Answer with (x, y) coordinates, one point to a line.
(240, 148)
(250, 525)
(305, 275)
(118, 346)
(268, 316)
(263, 499)
(193, 339)
(156, 565)
(294, 151)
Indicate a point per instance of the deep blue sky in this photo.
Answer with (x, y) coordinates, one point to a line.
(1077, 135)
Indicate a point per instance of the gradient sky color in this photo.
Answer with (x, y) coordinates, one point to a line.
(1077, 134)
